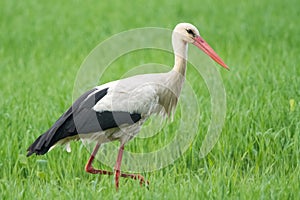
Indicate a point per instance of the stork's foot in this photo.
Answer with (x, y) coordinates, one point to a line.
(132, 176)
(118, 174)
(92, 170)
(136, 177)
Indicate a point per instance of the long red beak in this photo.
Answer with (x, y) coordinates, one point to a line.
(201, 44)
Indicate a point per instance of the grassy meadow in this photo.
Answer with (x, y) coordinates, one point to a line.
(43, 44)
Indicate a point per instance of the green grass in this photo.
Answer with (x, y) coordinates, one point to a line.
(43, 43)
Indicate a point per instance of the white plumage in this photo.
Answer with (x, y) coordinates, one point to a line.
(142, 94)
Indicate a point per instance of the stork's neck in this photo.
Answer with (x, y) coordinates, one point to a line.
(180, 51)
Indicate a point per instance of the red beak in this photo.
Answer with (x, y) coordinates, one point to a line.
(201, 44)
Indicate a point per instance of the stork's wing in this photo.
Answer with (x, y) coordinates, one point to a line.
(81, 118)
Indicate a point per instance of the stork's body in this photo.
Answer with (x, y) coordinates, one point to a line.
(117, 110)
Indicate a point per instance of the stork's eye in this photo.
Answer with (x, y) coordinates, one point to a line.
(190, 31)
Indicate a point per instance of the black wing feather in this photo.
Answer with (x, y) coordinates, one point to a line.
(81, 118)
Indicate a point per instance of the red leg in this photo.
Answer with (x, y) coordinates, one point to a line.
(118, 166)
(118, 171)
(90, 169)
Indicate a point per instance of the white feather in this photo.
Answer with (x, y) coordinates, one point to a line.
(68, 147)
(145, 94)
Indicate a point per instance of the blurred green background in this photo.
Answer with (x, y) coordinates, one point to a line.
(43, 43)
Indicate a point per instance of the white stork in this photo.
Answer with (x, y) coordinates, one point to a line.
(118, 109)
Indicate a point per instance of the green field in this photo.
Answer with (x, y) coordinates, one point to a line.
(42, 46)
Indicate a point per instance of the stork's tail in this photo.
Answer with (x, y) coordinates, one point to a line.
(64, 128)
(60, 132)
(39, 146)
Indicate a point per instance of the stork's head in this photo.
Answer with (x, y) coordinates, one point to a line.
(188, 33)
